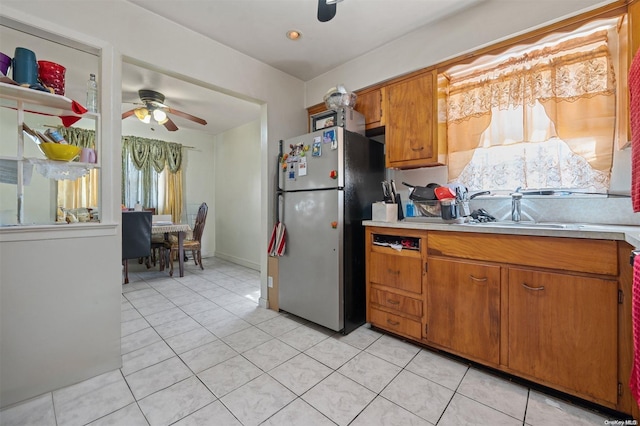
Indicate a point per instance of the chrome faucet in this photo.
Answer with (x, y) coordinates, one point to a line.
(516, 208)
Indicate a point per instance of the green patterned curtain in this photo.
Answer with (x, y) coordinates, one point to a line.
(149, 157)
(80, 137)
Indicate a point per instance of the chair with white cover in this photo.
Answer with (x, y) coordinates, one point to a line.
(193, 243)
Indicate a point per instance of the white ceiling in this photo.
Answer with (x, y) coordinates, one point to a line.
(257, 28)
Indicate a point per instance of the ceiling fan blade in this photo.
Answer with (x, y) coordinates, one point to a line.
(187, 116)
(127, 114)
(326, 12)
(170, 125)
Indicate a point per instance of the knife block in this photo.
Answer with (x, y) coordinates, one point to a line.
(384, 212)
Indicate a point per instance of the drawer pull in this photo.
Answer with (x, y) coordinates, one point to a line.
(478, 280)
(393, 323)
(532, 288)
(392, 272)
(393, 302)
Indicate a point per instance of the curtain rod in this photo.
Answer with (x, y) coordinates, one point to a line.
(55, 127)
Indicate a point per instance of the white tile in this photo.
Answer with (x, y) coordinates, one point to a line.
(176, 402)
(201, 305)
(332, 352)
(139, 291)
(229, 375)
(89, 400)
(438, 368)
(157, 377)
(212, 316)
(188, 299)
(465, 411)
(247, 339)
(510, 398)
(207, 356)
(382, 412)
(361, 338)
(227, 326)
(300, 373)
(153, 308)
(419, 396)
(129, 415)
(130, 327)
(257, 400)
(191, 339)
(299, 413)
(545, 410)
(270, 354)
(214, 414)
(304, 337)
(129, 314)
(370, 371)
(176, 327)
(339, 398)
(393, 350)
(145, 357)
(169, 315)
(37, 412)
(278, 325)
(139, 340)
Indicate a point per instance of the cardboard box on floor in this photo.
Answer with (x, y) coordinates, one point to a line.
(272, 283)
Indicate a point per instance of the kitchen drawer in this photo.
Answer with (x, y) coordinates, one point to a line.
(396, 323)
(566, 254)
(396, 302)
(401, 272)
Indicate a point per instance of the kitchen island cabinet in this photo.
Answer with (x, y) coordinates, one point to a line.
(551, 310)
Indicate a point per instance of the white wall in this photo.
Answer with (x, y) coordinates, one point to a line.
(484, 24)
(237, 214)
(117, 25)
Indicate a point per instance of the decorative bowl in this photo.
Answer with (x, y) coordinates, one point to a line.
(59, 152)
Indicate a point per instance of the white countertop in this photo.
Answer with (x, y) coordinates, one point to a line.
(630, 234)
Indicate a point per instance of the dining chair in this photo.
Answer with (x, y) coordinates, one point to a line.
(193, 243)
(136, 238)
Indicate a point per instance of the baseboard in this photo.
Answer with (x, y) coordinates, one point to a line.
(239, 261)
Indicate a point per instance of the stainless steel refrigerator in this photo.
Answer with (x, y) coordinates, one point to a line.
(329, 178)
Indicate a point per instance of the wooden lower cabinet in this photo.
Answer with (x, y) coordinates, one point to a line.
(463, 305)
(395, 297)
(562, 331)
(560, 317)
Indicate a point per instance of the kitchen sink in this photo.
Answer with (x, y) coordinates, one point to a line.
(529, 225)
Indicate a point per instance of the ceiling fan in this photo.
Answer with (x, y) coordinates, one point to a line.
(327, 9)
(153, 106)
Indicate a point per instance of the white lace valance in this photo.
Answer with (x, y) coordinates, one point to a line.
(60, 170)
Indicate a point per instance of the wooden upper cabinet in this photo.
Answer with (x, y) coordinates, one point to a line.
(369, 104)
(410, 118)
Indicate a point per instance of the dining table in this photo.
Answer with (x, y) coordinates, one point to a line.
(180, 229)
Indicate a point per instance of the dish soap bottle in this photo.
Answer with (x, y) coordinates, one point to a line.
(92, 94)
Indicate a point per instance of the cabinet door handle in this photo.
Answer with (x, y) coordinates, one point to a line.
(532, 288)
(393, 323)
(417, 149)
(393, 302)
(478, 280)
(392, 272)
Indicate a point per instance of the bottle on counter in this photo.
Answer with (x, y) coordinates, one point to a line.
(92, 94)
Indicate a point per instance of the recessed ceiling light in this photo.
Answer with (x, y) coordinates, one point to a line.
(294, 35)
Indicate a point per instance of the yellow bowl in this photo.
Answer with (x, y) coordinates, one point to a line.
(58, 151)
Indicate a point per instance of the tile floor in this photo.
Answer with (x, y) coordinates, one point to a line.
(198, 350)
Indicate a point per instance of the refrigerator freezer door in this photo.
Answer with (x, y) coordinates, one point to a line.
(319, 168)
(310, 272)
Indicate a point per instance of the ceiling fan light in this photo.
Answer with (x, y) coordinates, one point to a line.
(163, 121)
(142, 114)
(159, 115)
